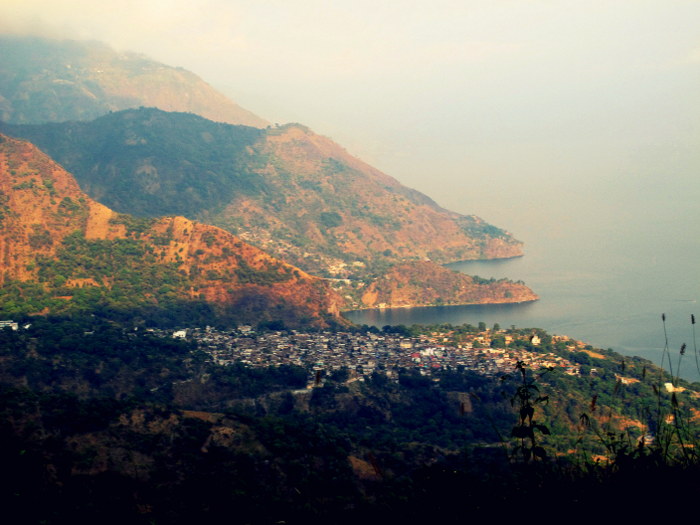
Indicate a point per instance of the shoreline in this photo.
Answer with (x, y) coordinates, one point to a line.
(484, 260)
(435, 305)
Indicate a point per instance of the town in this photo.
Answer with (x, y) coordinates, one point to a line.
(487, 352)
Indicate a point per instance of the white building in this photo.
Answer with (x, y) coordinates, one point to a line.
(11, 324)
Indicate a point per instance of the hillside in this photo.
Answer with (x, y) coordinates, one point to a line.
(287, 190)
(404, 285)
(44, 80)
(61, 251)
(103, 423)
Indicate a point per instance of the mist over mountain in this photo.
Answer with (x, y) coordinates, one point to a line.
(297, 195)
(46, 80)
(574, 123)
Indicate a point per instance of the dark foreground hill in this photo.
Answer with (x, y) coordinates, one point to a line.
(61, 251)
(104, 423)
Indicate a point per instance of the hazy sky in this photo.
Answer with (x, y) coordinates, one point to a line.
(493, 107)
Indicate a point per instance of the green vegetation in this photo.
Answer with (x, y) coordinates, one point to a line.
(273, 273)
(135, 226)
(479, 229)
(202, 160)
(69, 208)
(123, 273)
(39, 238)
(154, 431)
(125, 277)
(330, 219)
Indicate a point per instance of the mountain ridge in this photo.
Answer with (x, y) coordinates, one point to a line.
(286, 189)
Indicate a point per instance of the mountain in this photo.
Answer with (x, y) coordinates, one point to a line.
(43, 80)
(289, 191)
(61, 251)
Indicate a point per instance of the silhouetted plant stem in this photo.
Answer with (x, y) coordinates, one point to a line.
(695, 345)
(659, 387)
(527, 396)
(666, 353)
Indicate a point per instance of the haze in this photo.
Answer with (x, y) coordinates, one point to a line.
(536, 115)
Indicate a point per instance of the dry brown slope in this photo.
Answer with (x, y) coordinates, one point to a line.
(373, 215)
(53, 234)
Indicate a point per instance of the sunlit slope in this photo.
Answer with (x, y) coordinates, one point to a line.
(60, 251)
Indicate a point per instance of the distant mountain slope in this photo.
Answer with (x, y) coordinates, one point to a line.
(60, 251)
(150, 163)
(44, 80)
(287, 190)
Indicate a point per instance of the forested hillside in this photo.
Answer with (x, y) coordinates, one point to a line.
(151, 429)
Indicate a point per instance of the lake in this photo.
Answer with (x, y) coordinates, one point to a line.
(604, 274)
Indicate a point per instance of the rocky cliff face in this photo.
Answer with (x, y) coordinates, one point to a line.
(405, 285)
(71, 248)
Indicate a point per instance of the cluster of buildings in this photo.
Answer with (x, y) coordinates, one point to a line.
(365, 353)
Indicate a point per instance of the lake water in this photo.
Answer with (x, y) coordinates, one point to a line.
(604, 274)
